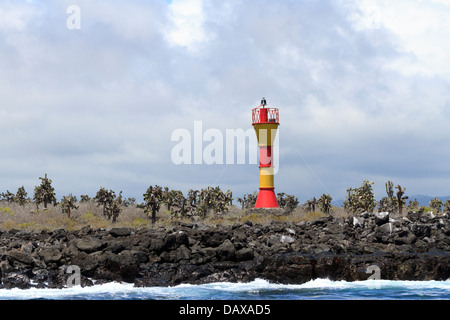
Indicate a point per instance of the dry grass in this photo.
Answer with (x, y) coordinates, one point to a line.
(88, 214)
(14, 216)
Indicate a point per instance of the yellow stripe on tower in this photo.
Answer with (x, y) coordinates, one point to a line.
(266, 179)
(265, 133)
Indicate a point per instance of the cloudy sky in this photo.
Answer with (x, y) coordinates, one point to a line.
(363, 89)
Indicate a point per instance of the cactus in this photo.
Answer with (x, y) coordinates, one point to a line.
(436, 204)
(242, 201)
(311, 204)
(413, 205)
(229, 197)
(393, 202)
(281, 199)
(200, 202)
(21, 196)
(291, 202)
(447, 207)
(177, 200)
(212, 199)
(389, 189)
(287, 201)
(45, 193)
(400, 199)
(114, 209)
(324, 203)
(111, 204)
(84, 198)
(248, 200)
(192, 198)
(350, 199)
(171, 197)
(388, 203)
(68, 203)
(152, 201)
(104, 198)
(129, 202)
(8, 196)
(360, 199)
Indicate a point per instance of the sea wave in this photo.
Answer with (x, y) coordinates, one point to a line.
(257, 289)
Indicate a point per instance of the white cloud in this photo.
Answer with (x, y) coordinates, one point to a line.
(15, 17)
(422, 28)
(187, 28)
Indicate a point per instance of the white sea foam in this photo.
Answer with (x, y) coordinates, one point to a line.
(225, 290)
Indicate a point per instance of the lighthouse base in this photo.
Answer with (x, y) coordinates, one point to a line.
(266, 198)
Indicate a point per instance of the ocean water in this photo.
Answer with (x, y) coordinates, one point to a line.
(318, 289)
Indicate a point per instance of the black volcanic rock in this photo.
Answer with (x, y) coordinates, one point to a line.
(414, 247)
(89, 244)
(120, 232)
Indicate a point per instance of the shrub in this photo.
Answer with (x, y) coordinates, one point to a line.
(7, 210)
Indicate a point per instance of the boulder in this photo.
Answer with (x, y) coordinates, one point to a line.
(26, 248)
(226, 251)
(21, 257)
(157, 245)
(89, 244)
(116, 246)
(16, 280)
(170, 242)
(183, 253)
(325, 238)
(213, 238)
(209, 254)
(358, 222)
(181, 238)
(408, 238)
(290, 231)
(50, 255)
(286, 239)
(384, 232)
(381, 218)
(120, 267)
(59, 234)
(120, 232)
(364, 215)
(244, 254)
(87, 262)
(426, 216)
(421, 230)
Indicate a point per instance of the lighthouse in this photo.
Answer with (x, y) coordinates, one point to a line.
(265, 122)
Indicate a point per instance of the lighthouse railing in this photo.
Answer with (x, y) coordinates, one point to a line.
(265, 115)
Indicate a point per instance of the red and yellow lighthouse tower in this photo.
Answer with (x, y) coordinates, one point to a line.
(266, 122)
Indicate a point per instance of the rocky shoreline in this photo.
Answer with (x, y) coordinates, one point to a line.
(375, 245)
